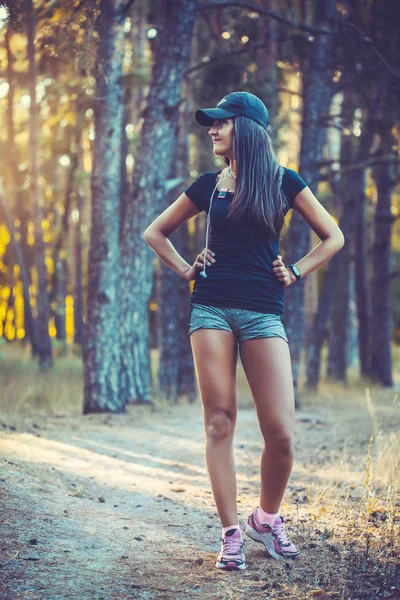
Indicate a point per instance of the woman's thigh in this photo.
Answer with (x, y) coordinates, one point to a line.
(267, 364)
(215, 360)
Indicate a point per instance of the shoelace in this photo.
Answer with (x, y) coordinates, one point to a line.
(281, 534)
(232, 546)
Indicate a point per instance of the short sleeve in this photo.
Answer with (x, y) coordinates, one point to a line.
(197, 192)
(292, 184)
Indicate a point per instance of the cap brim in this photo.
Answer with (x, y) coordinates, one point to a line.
(207, 116)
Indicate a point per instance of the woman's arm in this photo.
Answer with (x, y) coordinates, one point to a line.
(320, 221)
(157, 233)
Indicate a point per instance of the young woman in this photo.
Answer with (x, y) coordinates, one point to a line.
(237, 301)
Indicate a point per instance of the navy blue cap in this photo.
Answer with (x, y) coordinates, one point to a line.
(232, 105)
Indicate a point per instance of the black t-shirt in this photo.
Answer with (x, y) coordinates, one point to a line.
(242, 276)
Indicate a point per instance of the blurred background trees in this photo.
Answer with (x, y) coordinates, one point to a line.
(98, 137)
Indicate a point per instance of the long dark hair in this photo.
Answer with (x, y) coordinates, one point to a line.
(258, 194)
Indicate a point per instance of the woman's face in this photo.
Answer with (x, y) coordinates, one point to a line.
(222, 136)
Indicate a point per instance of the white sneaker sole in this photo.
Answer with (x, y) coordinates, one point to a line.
(234, 566)
(268, 541)
(264, 538)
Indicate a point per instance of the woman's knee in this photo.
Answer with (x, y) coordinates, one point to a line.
(280, 438)
(219, 424)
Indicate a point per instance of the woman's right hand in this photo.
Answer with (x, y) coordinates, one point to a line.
(199, 263)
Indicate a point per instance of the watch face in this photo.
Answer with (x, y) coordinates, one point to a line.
(295, 270)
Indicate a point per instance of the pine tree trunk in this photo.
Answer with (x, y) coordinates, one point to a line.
(78, 292)
(362, 292)
(176, 369)
(60, 293)
(340, 305)
(316, 98)
(42, 298)
(187, 385)
(267, 73)
(319, 331)
(361, 274)
(101, 343)
(152, 166)
(61, 271)
(167, 313)
(381, 325)
(14, 181)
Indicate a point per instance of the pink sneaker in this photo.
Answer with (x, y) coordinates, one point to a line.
(273, 536)
(231, 556)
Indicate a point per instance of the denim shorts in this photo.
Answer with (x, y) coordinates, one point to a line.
(244, 324)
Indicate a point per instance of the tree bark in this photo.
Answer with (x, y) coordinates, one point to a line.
(101, 343)
(42, 298)
(339, 317)
(60, 277)
(167, 313)
(361, 257)
(267, 74)
(381, 317)
(186, 374)
(319, 330)
(152, 166)
(78, 292)
(316, 98)
(361, 275)
(14, 182)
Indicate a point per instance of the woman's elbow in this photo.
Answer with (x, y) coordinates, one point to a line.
(341, 240)
(147, 234)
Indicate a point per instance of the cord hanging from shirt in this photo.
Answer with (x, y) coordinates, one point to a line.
(203, 272)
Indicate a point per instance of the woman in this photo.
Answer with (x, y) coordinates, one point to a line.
(238, 301)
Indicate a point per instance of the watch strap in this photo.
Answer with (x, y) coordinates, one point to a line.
(297, 275)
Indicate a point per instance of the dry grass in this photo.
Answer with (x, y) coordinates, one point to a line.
(25, 392)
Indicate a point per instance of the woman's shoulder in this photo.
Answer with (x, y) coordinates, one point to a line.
(288, 173)
(292, 184)
(292, 177)
(207, 176)
(213, 174)
(199, 190)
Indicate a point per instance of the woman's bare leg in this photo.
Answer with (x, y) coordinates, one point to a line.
(215, 358)
(268, 369)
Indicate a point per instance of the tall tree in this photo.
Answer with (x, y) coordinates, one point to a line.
(153, 158)
(361, 257)
(15, 184)
(345, 190)
(317, 92)
(42, 298)
(79, 195)
(385, 27)
(101, 343)
(381, 317)
(186, 374)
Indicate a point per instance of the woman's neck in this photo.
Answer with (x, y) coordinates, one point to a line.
(232, 166)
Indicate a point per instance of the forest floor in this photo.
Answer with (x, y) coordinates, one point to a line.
(120, 506)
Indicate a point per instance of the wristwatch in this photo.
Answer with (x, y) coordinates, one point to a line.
(295, 271)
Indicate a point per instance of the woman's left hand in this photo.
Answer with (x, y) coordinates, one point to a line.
(285, 275)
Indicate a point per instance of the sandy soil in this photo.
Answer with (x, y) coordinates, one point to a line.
(120, 506)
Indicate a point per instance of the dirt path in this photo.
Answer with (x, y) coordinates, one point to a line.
(119, 506)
